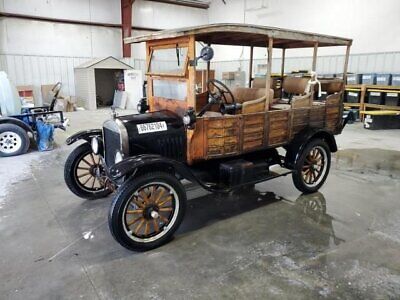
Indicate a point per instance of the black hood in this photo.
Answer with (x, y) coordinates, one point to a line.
(169, 142)
(172, 119)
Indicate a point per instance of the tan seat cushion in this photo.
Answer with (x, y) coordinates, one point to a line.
(253, 99)
(246, 94)
(295, 85)
(212, 114)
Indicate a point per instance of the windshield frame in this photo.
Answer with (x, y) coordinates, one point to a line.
(168, 46)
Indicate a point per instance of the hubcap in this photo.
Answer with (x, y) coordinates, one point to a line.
(314, 167)
(10, 142)
(151, 212)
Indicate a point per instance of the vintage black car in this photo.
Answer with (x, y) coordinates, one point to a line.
(220, 138)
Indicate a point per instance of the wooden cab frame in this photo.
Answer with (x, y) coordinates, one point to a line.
(220, 136)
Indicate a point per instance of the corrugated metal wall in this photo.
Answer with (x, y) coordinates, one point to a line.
(38, 70)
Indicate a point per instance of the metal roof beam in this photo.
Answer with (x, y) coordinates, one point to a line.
(187, 3)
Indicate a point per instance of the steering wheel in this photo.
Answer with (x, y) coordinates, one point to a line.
(221, 90)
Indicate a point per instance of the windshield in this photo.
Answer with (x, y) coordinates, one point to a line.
(168, 60)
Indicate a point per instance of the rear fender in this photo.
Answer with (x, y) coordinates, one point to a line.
(86, 135)
(15, 121)
(294, 149)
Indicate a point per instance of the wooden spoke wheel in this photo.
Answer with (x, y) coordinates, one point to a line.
(147, 210)
(312, 166)
(89, 173)
(150, 210)
(84, 174)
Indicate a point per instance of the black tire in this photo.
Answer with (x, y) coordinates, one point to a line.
(14, 140)
(71, 176)
(310, 179)
(130, 237)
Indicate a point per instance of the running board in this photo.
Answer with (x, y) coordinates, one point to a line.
(275, 172)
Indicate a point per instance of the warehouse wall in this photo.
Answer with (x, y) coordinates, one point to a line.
(164, 16)
(33, 52)
(374, 24)
(37, 52)
(55, 39)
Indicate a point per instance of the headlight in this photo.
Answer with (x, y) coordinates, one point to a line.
(118, 157)
(186, 120)
(189, 118)
(95, 145)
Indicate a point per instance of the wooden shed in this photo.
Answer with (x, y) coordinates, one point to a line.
(96, 81)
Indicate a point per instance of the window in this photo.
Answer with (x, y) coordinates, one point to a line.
(170, 89)
(168, 60)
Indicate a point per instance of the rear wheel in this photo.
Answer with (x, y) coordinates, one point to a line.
(84, 174)
(13, 140)
(312, 166)
(147, 211)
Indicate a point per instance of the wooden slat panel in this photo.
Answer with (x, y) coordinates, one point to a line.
(254, 119)
(233, 131)
(215, 132)
(252, 144)
(231, 122)
(215, 123)
(330, 110)
(254, 136)
(217, 142)
(317, 124)
(231, 140)
(231, 149)
(278, 133)
(215, 151)
(277, 140)
(278, 116)
(253, 129)
(278, 125)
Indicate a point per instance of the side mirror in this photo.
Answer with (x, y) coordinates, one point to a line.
(206, 54)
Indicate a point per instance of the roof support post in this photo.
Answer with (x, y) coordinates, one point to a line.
(251, 66)
(346, 63)
(208, 69)
(269, 71)
(282, 70)
(126, 24)
(314, 62)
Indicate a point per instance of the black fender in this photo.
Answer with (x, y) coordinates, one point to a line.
(161, 163)
(86, 135)
(296, 146)
(18, 122)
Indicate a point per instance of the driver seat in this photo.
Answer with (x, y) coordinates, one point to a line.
(252, 99)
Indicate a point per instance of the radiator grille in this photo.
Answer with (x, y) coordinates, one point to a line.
(112, 144)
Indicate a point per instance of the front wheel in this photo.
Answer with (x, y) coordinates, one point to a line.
(147, 211)
(312, 166)
(84, 174)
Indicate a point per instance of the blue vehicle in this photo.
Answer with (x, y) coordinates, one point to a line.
(18, 125)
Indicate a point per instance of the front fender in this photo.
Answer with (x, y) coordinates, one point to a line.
(296, 146)
(131, 164)
(86, 135)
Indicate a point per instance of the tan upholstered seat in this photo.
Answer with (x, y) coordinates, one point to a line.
(252, 99)
(296, 86)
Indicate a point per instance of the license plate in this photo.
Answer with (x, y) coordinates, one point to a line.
(152, 127)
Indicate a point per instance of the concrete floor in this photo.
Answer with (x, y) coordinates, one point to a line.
(271, 243)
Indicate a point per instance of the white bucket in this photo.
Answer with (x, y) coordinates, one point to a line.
(10, 103)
